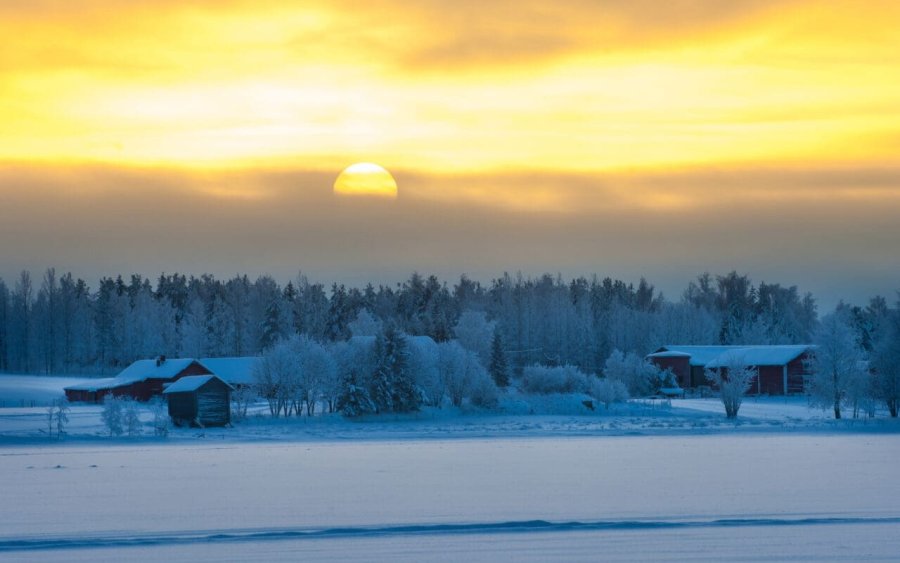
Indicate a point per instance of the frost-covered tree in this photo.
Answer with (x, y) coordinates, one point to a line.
(838, 362)
(316, 371)
(608, 391)
(554, 379)
(276, 378)
(61, 416)
(463, 376)
(393, 387)
(640, 377)
(499, 368)
(131, 419)
(112, 415)
(354, 399)
(885, 363)
(733, 377)
(160, 411)
(365, 324)
(271, 328)
(422, 363)
(474, 332)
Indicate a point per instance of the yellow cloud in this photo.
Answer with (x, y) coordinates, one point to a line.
(462, 88)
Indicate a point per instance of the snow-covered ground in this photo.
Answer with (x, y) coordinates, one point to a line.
(771, 496)
(650, 480)
(31, 390)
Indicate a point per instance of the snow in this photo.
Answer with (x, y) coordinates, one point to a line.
(189, 383)
(575, 498)
(236, 371)
(544, 478)
(715, 356)
(137, 371)
(31, 390)
(94, 384)
(668, 354)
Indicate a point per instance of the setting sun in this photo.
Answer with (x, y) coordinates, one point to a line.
(366, 179)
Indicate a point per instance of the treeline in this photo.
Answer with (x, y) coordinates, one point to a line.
(61, 325)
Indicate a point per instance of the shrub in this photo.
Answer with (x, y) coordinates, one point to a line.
(544, 380)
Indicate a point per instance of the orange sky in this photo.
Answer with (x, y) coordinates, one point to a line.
(577, 122)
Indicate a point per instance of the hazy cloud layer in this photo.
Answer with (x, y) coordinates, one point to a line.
(832, 232)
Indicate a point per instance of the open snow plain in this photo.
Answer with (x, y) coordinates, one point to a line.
(743, 497)
(645, 483)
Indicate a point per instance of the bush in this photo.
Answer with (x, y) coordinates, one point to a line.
(544, 380)
(609, 391)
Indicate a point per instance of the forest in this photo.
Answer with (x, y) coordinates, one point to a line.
(61, 325)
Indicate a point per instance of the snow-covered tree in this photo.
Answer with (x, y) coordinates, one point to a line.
(276, 378)
(393, 387)
(608, 391)
(160, 411)
(640, 377)
(733, 377)
(837, 364)
(463, 376)
(554, 379)
(499, 368)
(354, 399)
(885, 363)
(131, 419)
(61, 417)
(316, 370)
(241, 399)
(112, 415)
(474, 332)
(422, 364)
(365, 324)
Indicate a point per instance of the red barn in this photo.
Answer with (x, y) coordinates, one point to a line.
(142, 380)
(781, 367)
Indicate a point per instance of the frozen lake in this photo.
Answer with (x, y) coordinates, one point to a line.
(793, 496)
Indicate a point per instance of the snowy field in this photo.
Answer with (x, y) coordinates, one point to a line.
(30, 390)
(748, 497)
(644, 481)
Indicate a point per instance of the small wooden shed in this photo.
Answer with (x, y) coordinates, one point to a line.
(199, 400)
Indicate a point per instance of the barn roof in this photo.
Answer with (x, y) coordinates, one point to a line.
(140, 370)
(191, 383)
(149, 369)
(669, 354)
(716, 356)
(92, 384)
(235, 371)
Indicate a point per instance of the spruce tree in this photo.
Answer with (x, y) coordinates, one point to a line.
(271, 326)
(354, 399)
(404, 392)
(499, 369)
(380, 384)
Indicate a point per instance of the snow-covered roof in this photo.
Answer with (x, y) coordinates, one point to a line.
(236, 370)
(149, 369)
(92, 384)
(191, 383)
(140, 370)
(668, 354)
(715, 356)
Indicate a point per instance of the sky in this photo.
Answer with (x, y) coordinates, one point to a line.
(628, 139)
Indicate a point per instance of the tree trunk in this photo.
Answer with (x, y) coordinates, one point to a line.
(837, 396)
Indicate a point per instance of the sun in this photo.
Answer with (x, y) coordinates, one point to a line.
(366, 179)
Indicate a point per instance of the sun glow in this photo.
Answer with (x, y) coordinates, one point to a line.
(366, 179)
